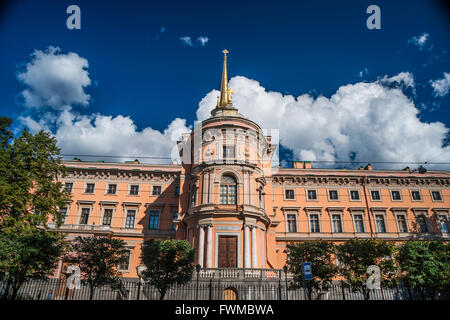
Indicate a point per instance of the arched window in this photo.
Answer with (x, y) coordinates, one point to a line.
(228, 188)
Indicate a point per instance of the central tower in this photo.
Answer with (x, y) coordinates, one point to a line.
(223, 185)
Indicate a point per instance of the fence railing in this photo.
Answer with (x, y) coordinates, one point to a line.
(214, 289)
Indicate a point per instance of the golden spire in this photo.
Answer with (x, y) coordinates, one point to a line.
(225, 92)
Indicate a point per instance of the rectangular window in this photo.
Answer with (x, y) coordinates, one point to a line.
(379, 221)
(228, 151)
(375, 195)
(126, 263)
(89, 188)
(333, 194)
(134, 190)
(289, 194)
(175, 217)
(359, 223)
(396, 196)
(112, 188)
(153, 220)
(337, 223)
(292, 223)
(443, 223)
(354, 195)
(228, 194)
(63, 214)
(156, 190)
(416, 196)
(131, 216)
(177, 191)
(422, 223)
(436, 195)
(401, 220)
(107, 217)
(312, 195)
(85, 215)
(68, 187)
(314, 223)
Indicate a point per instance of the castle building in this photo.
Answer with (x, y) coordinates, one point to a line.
(237, 209)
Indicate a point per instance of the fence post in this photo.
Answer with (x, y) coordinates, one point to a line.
(210, 289)
(279, 285)
(343, 290)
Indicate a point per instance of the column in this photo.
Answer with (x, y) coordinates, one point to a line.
(263, 262)
(201, 242)
(254, 261)
(246, 247)
(209, 246)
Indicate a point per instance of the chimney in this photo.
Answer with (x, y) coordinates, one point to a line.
(368, 167)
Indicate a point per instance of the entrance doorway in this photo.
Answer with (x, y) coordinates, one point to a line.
(227, 252)
(229, 294)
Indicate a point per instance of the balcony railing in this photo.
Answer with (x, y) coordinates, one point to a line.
(90, 227)
(240, 273)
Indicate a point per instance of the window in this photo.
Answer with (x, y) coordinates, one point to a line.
(156, 190)
(153, 220)
(112, 188)
(292, 223)
(359, 223)
(422, 223)
(227, 190)
(314, 223)
(375, 195)
(124, 265)
(68, 187)
(354, 195)
(416, 196)
(193, 196)
(89, 188)
(134, 190)
(131, 216)
(85, 215)
(396, 196)
(337, 223)
(436, 195)
(289, 194)
(63, 214)
(401, 220)
(228, 151)
(333, 195)
(443, 223)
(177, 191)
(175, 217)
(107, 217)
(379, 221)
(312, 195)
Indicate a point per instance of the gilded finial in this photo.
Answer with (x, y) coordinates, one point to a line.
(225, 92)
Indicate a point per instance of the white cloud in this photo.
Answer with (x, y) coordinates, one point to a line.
(203, 40)
(53, 79)
(441, 87)
(420, 40)
(371, 121)
(404, 79)
(363, 73)
(186, 40)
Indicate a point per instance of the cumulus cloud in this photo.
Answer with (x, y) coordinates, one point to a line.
(441, 86)
(420, 40)
(203, 40)
(187, 41)
(361, 121)
(53, 79)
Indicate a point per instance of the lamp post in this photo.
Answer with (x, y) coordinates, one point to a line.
(197, 268)
(285, 268)
(140, 270)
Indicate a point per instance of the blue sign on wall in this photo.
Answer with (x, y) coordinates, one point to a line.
(307, 270)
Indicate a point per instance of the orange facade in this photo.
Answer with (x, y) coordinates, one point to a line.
(237, 209)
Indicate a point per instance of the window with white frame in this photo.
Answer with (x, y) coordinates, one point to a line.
(84, 219)
(130, 219)
(314, 223)
(354, 195)
(289, 194)
(175, 218)
(380, 224)
(401, 222)
(228, 151)
(436, 195)
(396, 195)
(292, 222)
(112, 188)
(422, 223)
(134, 189)
(333, 195)
(156, 190)
(89, 188)
(336, 223)
(63, 214)
(443, 223)
(68, 186)
(153, 220)
(125, 264)
(107, 217)
(311, 194)
(415, 195)
(375, 195)
(228, 186)
(358, 222)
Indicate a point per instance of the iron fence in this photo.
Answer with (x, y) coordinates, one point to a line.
(213, 289)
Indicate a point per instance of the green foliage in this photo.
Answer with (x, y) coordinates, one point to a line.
(168, 262)
(357, 255)
(320, 254)
(98, 259)
(27, 252)
(425, 264)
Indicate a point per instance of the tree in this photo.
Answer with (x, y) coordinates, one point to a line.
(319, 254)
(168, 262)
(357, 255)
(98, 259)
(29, 195)
(425, 264)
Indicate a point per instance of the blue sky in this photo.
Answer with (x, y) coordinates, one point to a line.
(139, 68)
